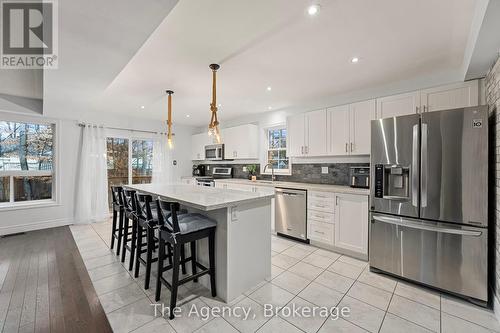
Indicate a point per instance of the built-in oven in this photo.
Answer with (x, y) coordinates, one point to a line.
(214, 152)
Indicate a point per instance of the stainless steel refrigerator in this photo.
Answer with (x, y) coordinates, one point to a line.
(429, 199)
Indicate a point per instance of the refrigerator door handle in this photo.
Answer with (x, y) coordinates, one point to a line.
(423, 198)
(421, 226)
(414, 168)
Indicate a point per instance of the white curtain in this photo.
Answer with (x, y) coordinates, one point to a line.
(162, 160)
(92, 182)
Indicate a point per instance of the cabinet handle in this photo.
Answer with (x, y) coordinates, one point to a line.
(346, 147)
(307, 149)
(352, 147)
(319, 232)
(302, 150)
(336, 201)
(425, 107)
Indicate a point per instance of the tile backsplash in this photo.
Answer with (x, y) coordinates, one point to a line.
(338, 173)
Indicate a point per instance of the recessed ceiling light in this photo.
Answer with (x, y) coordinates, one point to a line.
(269, 88)
(142, 106)
(354, 60)
(269, 107)
(187, 116)
(313, 10)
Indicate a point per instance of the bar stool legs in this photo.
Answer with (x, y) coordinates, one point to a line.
(211, 261)
(149, 256)
(193, 259)
(133, 245)
(120, 234)
(161, 257)
(113, 229)
(125, 238)
(175, 279)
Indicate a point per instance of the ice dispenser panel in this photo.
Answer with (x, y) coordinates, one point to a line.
(392, 181)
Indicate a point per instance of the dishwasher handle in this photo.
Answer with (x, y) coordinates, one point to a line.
(291, 193)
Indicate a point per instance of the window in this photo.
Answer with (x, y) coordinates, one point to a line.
(142, 159)
(124, 170)
(26, 162)
(276, 150)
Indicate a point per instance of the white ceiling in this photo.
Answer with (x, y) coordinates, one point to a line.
(274, 43)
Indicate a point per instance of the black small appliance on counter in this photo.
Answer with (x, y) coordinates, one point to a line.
(359, 177)
(199, 170)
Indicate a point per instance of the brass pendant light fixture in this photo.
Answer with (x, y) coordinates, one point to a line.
(169, 120)
(213, 127)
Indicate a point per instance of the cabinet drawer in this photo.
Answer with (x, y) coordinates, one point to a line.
(326, 205)
(320, 195)
(321, 232)
(320, 216)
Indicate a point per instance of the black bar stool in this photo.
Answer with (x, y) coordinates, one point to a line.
(147, 222)
(176, 231)
(128, 199)
(118, 215)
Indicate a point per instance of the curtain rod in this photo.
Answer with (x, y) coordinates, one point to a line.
(124, 129)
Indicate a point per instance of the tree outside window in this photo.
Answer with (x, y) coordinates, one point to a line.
(276, 149)
(26, 161)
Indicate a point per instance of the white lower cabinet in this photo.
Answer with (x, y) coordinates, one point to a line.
(321, 232)
(320, 217)
(351, 222)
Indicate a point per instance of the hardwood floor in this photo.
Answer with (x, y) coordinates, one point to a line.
(45, 287)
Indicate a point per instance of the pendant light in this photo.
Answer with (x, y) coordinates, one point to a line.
(169, 120)
(213, 127)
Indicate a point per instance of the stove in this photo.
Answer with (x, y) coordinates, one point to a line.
(217, 173)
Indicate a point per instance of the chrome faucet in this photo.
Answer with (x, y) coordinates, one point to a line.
(273, 178)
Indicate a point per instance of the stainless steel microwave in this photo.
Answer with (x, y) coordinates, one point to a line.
(214, 152)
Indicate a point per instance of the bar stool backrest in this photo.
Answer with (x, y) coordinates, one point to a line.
(143, 206)
(116, 193)
(129, 200)
(167, 209)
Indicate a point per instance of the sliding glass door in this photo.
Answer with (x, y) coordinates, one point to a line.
(130, 161)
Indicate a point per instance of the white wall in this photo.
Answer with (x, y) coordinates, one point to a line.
(68, 147)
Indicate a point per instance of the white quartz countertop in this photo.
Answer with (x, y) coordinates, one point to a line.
(200, 197)
(295, 185)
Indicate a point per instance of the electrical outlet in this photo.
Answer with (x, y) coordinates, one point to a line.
(244, 169)
(324, 170)
(234, 214)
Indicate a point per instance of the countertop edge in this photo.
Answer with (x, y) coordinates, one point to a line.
(296, 185)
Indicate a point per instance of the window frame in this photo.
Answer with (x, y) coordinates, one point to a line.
(129, 135)
(56, 182)
(265, 145)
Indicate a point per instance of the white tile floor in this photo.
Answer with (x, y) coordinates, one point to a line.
(302, 275)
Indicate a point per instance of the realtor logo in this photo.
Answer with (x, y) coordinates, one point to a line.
(477, 123)
(29, 34)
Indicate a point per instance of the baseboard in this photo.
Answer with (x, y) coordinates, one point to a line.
(34, 226)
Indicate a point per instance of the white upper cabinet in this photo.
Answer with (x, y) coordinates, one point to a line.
(457, 95)
(451, 96)
(296, 132)
(241, 142)
(338, 130)
(349, 128)
(398, 105)
(361, 114)
(316, 133)
(307, 134)
(198, 143)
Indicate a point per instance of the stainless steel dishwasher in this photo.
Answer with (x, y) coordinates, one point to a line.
(291, 213)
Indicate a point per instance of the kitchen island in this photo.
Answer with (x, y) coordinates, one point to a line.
(243, 233)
